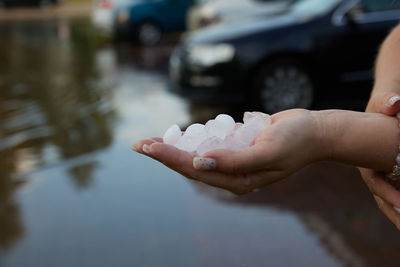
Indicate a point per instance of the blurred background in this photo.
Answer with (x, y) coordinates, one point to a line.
(80, 81)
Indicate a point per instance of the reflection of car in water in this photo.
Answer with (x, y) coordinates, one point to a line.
(277, 62)
(102, 15)
(209, 12)
(146, 20)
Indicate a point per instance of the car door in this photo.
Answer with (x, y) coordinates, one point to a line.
(174, 14)
(366, 24)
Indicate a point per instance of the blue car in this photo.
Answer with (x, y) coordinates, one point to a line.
(147, 20)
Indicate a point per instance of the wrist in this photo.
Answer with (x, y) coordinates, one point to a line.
(357, 138)
(326, 130)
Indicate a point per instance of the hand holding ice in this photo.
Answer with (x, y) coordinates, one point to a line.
(220, 133)
(254, 123)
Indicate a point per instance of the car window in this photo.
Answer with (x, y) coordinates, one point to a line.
(380, 5)
(313, 6)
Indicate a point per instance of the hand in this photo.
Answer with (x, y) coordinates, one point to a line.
(287, 145)
(387, 103)
(385, 195)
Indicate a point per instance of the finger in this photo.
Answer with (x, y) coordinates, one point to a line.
(182, 162)
(380, 187)
(261, 179)
(246, 160)
(138, 147)
(387, 103)
(171, 155)
(388, 210)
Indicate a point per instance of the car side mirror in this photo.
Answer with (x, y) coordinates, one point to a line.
(355, 13)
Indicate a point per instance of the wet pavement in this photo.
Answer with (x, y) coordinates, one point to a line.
(77, 9)
(72, 193)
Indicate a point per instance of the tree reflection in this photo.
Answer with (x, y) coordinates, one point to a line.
(83, 174)
(11, 228)
(52, 108)
(59, 81)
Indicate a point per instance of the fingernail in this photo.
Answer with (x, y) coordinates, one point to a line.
(396, 209)
(380, 200)
(206, 164)
(393, 100)
(146, 149)
(133, 146)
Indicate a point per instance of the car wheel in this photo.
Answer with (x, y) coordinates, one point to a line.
(44, 3)
(282, 85)
(149, 33)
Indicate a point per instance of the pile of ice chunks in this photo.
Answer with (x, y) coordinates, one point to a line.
(221, 133)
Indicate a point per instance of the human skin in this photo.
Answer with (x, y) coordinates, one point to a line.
(385, 98)
(294, 139)
(387, 73)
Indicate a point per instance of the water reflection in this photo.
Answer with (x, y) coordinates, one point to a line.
(51, 107)
(11, 228)
(69, 109)
(145, 57)
(332, 202)
(51, 99)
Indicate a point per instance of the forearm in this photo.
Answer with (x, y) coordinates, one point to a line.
(387, 69)
(360, 139)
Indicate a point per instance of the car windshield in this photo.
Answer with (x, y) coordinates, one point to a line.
(313, 6)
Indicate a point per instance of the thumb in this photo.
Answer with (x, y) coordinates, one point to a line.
(387, 103)
(233, 161)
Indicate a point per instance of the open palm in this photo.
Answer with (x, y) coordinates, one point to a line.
(284, 147)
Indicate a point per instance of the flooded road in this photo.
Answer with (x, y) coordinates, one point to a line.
(72, 193)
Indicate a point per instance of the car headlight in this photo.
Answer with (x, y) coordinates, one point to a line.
(210, 54)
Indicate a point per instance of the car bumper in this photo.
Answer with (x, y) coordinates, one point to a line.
(210, 86)
(207, 95)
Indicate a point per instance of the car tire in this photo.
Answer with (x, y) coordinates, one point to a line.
(149, 33)
(44, 3)
(281, 85)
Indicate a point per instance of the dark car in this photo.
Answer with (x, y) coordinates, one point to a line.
(278, 62)
(209, 12)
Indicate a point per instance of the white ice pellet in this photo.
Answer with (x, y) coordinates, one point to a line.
(194, 135)
(211, 143)
(228, 122)
(251, 128)
(195, 128)
(246, 134)
(186, 143)
(220, 133)
(172, 135)
(249, 115)
(216, 128)
(257, 122)
(234, 144)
